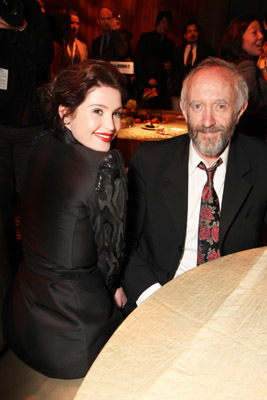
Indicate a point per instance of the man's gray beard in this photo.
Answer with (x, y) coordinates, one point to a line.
(211, 146)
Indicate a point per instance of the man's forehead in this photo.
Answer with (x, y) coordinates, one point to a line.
(212, 73)
(191, 28)
(74, 18)
(105, 12)
(212, 81)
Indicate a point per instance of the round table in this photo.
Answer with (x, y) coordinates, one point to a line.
(201, 336)
(129, 138)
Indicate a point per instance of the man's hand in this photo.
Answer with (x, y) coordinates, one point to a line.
(120, 297)
(113, 24)
(152, 82)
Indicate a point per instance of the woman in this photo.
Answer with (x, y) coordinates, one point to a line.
(65, 303)
(241, 44)
(262, 62)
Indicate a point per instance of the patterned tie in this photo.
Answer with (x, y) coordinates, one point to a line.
(209, 219)
(189, 57)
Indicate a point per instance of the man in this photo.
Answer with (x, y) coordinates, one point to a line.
(166, 184)
(26, 51)
(76, 50)
(191, 52)
(109, 46)
(154, 61)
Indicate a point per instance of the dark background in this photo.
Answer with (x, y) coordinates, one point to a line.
(139, 16)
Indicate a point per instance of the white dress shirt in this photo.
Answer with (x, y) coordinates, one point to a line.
(196, 181)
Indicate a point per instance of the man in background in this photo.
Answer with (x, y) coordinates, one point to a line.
(26, 51)
(190, 53)
(154, 62)
(109, 46)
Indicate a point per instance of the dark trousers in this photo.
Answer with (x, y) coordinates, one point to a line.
(15, 149)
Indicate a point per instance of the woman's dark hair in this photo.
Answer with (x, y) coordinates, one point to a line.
(231, 48)
(71, 86)
(163, 14)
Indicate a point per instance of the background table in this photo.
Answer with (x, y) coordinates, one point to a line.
(129, 138)
(201, 336)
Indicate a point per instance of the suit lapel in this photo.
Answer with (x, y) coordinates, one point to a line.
(175, 187)
(236, 187)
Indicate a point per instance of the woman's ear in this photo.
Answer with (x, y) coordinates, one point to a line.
(63, 113)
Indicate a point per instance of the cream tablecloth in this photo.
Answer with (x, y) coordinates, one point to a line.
(129, 138)
(202, 336)
(175, 127)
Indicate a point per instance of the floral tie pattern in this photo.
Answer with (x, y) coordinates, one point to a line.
(209, 218)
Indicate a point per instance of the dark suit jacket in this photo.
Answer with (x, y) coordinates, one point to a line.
(151, 53)
(158, 184)
(116, 50)
(204, 50)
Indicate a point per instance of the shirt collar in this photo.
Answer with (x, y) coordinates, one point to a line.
(193, 45)
(195, 159)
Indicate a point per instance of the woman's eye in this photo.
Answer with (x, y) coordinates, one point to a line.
(98, 111)
(118, 114)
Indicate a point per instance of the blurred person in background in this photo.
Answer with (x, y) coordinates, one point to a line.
(242, 45)
(110, 45)
(26, 51)
(75, 50)
(189, 54)
(262, 61)
(154, 62)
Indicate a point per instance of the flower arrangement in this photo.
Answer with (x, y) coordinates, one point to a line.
(147, 95)
(134, 112)
(131, 105)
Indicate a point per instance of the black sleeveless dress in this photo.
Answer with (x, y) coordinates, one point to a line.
(60, 311)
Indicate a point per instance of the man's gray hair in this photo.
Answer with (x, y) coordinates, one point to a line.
(212, 62)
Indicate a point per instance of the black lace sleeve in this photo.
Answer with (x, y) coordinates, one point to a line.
(111, 189)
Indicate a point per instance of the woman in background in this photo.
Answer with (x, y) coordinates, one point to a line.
(242, 45)
(66, 299)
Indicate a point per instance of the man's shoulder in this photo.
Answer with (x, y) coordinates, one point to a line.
(180, 50)
(181, 47)
(97, 39)
(254, 148)
(147, 35)
(156, 150)
(169, 41)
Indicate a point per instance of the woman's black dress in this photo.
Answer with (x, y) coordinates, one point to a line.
(60, 311)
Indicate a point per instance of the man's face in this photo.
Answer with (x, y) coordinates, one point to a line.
(104, 19)
(211, 112)
(74, 24)
(191, 34)
(163, 26)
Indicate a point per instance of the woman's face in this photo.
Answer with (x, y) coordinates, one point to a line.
(97, 120)
(253, 39)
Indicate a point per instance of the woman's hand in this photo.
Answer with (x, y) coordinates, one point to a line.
(120, 297)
